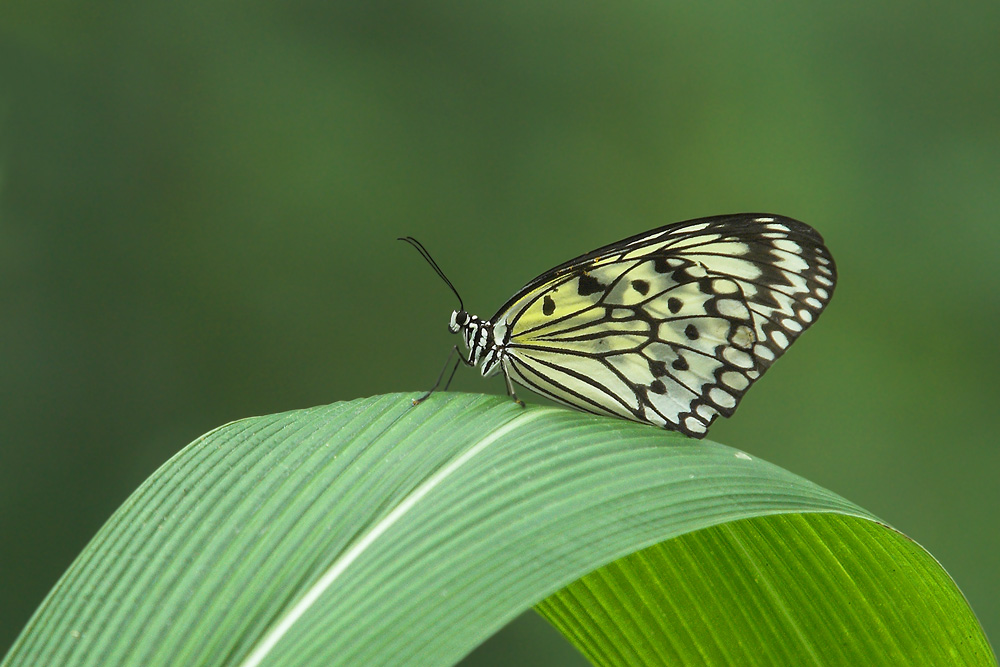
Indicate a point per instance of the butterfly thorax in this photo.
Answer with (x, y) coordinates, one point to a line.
(479, 336)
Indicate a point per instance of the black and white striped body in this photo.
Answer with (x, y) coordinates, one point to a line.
(484, 349)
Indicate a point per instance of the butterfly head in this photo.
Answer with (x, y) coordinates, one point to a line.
(459, 320)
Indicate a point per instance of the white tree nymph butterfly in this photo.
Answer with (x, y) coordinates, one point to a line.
(669, 327)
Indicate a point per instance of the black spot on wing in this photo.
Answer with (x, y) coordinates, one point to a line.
(548, 305)
(589, 285)
(674, 304)
(641, 286)
(691, 331)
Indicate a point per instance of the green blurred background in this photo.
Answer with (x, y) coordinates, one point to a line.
(199, 201)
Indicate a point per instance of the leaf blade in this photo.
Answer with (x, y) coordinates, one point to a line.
(215, 551)
(832, 571)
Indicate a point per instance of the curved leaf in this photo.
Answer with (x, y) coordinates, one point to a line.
(371, 532)
(785, 589)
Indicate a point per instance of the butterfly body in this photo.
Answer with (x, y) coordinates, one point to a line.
(669, 327)
(480, 340)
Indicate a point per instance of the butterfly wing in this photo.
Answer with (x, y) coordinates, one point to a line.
(672, 326)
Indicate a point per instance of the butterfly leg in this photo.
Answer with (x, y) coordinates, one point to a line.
(510, 387)
(467, 362)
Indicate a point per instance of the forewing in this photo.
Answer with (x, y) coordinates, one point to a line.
(670, 327)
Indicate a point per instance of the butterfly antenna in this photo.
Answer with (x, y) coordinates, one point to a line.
(430, 260)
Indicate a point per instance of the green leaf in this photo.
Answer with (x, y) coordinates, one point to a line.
(373, 532)
(785, 589)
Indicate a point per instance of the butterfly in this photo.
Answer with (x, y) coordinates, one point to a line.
(669, 327)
